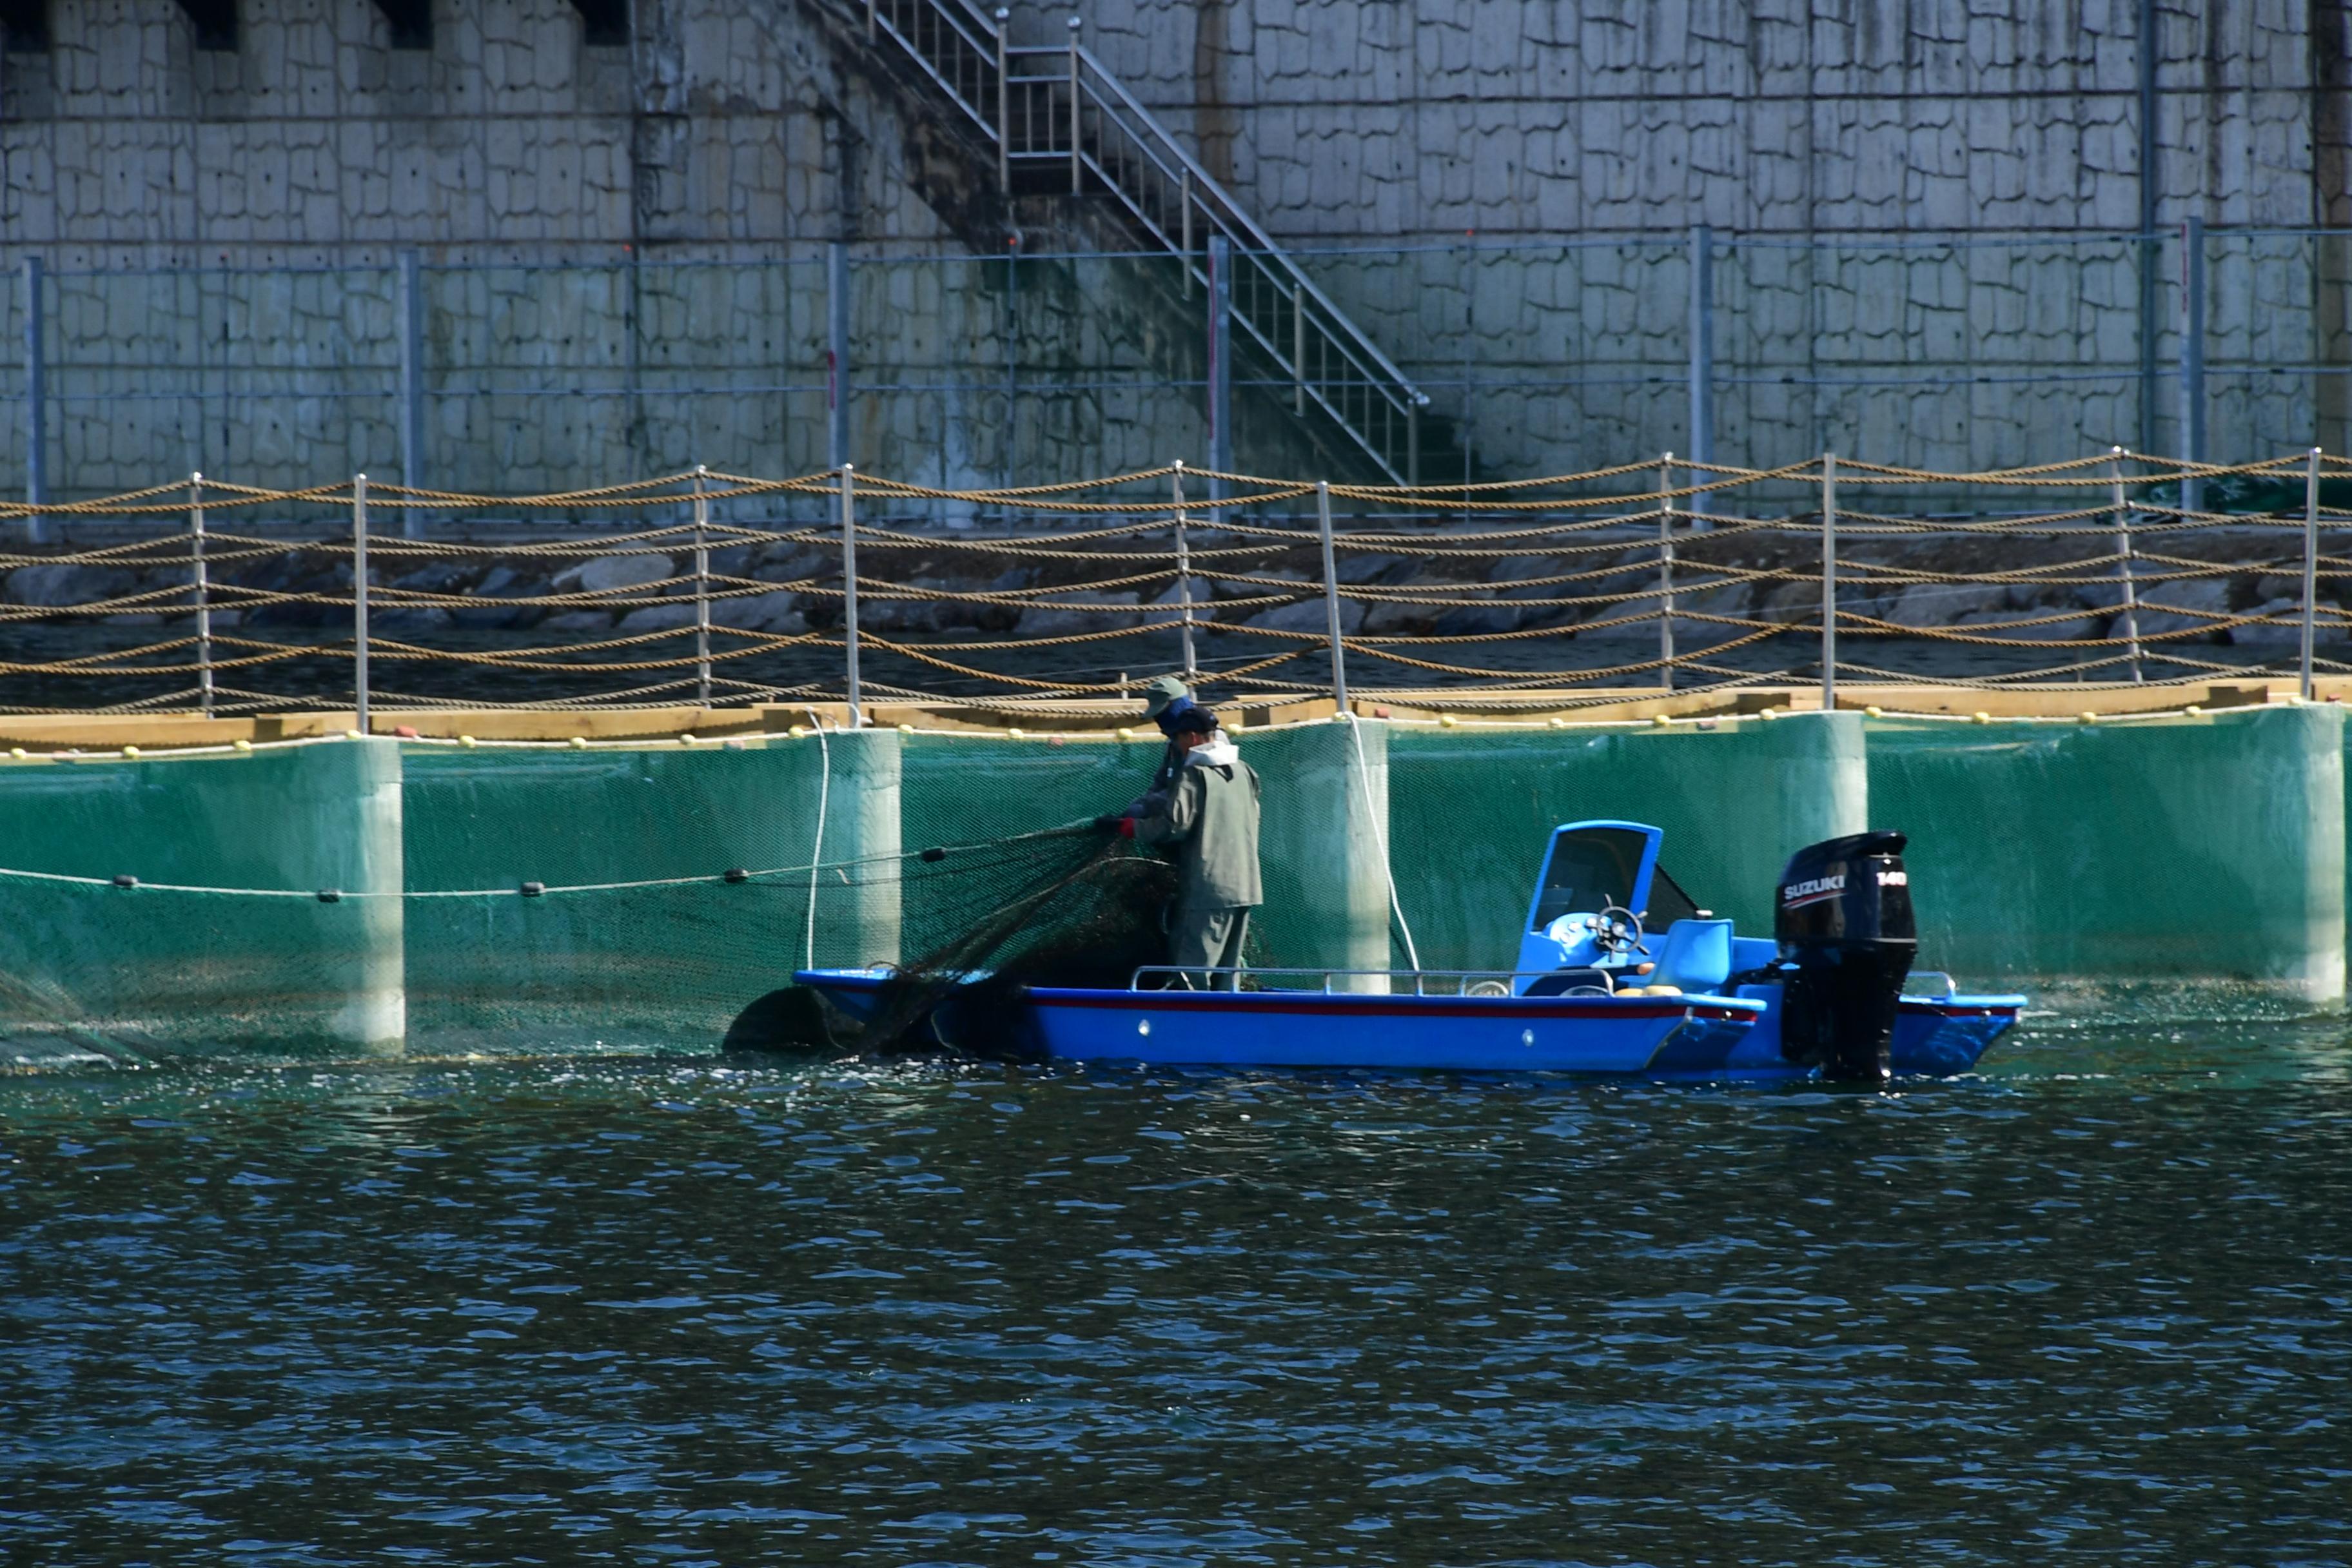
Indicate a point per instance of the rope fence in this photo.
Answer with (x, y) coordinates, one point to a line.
(204, 595)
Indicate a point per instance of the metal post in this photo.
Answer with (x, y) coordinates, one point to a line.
(837, 354)
(412, 387)
(872, 32)
(36, 405)
(1003, 105)
(1702, 344)
(1331, 594)
(1221, 362)
(2192, 359)
(1666, 572)
(1183, 573)
(2310, 565)
(849, 587)
(1078, 168)
(359, 600)
(2123, 559)
(1184, 212)
(2150, 192)
(201, 587)
(1412, 439)
(1297, 348)
(1829, 582)
(701, 587)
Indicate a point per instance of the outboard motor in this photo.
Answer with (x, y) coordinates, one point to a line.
(1843, 919)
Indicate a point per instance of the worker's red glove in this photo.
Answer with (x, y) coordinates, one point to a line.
(1118, 827)
(1125, 828)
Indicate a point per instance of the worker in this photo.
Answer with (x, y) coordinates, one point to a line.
(1165, 701)
(1209, 818)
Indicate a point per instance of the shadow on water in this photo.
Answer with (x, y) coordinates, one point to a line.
(2094, 1303)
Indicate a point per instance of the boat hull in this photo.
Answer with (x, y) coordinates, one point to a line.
(1659, 1036)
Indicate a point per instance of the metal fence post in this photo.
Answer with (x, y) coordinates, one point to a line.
(1184, 221)
(2124, 560)
(36, 405)
(199, 583)
(1078, 168)
(1666, 572)
(837, 354)
(2192, 359)
(1221, 361)
(1331, 594)
(1003, 105)
(1829, 582)
(1298, 348)
(701, 588)
(1702, 344)
(849, 587)
(360, 601)
(872, 31)
(1183, 573)
(412, 387)
(2310, 566)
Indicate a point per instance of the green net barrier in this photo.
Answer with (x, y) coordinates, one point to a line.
(2179, 849)
(1471, 811)
(143, 970)
(2176, 849)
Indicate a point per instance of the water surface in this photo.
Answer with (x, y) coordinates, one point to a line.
(2092, 1306)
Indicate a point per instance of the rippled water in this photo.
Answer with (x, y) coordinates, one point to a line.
(2095, 1305)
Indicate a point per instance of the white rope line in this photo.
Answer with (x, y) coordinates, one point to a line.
(824, 792)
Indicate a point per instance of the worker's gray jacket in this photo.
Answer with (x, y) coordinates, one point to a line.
(1211, 819)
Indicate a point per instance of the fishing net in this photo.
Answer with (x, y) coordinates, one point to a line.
(1066, 907)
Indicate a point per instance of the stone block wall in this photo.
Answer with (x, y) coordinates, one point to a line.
(1922, 209)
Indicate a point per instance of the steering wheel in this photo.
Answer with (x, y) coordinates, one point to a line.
(1617, 931)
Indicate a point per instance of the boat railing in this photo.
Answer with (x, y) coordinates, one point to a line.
(1950, 985)
(1463, 981)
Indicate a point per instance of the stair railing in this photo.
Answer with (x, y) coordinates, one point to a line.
(1047, 105)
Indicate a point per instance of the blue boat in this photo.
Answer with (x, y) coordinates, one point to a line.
(1593, 990)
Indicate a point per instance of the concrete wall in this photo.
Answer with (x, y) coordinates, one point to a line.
(1531, 167)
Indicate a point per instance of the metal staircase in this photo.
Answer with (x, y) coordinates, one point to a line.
(1054, 114)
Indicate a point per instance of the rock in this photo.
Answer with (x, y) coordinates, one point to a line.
(774, 612)
(597, 622)
(2284, 630)
(1043, 620)
(655, 618)
(1376, 567)
(503, 582)
(614, 574)
(1398, 618)
(407, 618)
(1942, 603)
(67, 585)
(1482, 618)
(441, 577)
(1310, 616)
(2211, 594)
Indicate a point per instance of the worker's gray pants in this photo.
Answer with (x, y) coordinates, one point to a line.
(1207, 938)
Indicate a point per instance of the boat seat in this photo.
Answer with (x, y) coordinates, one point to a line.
(1695, 955)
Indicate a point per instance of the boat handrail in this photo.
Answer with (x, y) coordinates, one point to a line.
(1950, 985)
(1420, 978)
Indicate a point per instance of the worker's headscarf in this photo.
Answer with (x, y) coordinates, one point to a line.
(1165, 700)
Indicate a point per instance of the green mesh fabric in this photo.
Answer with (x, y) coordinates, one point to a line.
(624, 966)
(2190, 849)
(1471, 810)
(145, 971)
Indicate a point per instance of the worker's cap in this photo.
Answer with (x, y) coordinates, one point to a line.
(1188, 719)
(1162, 694)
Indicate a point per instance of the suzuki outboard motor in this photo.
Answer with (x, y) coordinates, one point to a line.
(1843, 919)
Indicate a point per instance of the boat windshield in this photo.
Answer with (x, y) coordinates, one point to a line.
(1668, 902)
(1590, 870)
